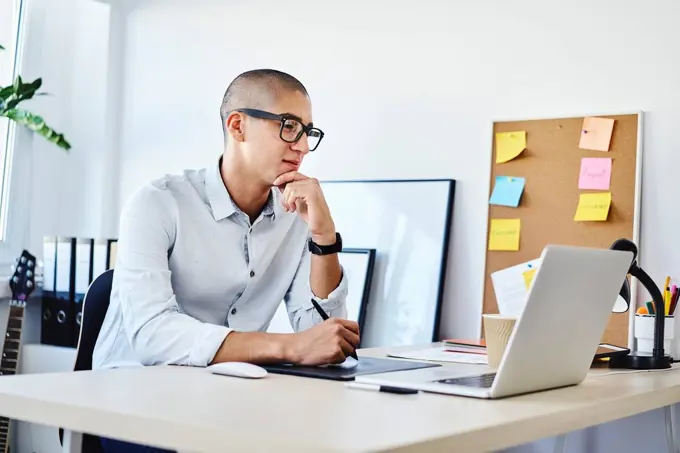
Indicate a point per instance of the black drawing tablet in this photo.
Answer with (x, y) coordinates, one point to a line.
(366, 365)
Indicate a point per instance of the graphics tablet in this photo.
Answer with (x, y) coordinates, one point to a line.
(365, 365)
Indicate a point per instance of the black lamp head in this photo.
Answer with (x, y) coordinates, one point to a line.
(627, 246)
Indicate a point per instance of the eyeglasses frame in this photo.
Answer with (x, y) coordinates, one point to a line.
(264, 115)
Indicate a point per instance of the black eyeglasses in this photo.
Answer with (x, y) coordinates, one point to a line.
(291, 127)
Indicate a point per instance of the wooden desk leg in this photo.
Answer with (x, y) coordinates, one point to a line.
(670, 425)
(561, 444)
(73, 442)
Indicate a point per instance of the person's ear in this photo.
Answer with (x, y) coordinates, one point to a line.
(235, 126)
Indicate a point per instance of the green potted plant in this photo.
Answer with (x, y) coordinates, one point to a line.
(13, 95)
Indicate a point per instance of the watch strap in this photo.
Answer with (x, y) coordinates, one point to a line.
(317, 249)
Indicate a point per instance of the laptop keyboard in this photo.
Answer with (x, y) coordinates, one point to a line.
(481, 380)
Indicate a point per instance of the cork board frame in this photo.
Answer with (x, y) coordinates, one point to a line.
(551, 165)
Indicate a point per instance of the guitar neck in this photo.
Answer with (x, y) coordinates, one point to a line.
(4, 435)
(10, 358)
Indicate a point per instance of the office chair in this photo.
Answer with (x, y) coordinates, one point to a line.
(95, 305)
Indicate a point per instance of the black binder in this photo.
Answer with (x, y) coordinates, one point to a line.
(58, 307)
(84, 251)
(47, 331)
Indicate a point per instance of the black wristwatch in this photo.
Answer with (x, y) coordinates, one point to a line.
(317, 249)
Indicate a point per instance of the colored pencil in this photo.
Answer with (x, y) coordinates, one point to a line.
(650, 307)
(674, 303)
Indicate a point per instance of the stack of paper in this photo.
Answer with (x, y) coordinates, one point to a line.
(444, 354)
(511, 286)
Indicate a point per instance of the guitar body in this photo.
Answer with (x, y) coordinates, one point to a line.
(22, 284)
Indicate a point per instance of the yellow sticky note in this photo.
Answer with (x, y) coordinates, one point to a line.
(593, 206)
(596, 133)
(509, 145)
(528, 277)
(504, 234)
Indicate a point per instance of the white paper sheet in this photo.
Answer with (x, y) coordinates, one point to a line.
(510, 289)
(441, 355)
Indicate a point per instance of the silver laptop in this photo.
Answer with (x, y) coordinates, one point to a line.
(555, 339)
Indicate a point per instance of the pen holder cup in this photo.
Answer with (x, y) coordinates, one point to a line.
(644, 333)
(497, 331)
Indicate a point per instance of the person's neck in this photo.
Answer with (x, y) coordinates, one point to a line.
(248, 193)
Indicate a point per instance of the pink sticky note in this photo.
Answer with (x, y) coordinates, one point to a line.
(595, 173)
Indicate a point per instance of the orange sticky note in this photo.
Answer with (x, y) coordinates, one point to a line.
(596, 133)
(504, 234)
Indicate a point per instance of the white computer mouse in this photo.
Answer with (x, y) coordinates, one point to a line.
(238, 369)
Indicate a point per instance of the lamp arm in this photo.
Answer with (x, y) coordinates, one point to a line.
(659, 307)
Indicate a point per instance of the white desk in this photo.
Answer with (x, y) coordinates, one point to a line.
(189, 409)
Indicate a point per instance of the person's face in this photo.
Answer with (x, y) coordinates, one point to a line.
(266, 155)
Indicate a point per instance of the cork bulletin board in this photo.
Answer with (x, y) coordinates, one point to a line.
(551, 165)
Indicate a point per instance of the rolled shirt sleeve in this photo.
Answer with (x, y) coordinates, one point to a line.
(301, 312)
(158, 331)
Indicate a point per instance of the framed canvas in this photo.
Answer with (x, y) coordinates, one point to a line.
(358, 264)
(408, 223)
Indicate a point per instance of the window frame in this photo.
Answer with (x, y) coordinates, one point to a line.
(14, 210)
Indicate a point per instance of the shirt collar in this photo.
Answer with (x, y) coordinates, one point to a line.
(268, 209)
(218, 196)
(221, 203)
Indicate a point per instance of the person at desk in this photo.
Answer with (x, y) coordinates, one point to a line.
(205, 257)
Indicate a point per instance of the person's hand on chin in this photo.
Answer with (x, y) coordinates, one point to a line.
(303, 195)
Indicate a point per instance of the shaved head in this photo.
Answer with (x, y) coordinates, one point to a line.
(257, 89)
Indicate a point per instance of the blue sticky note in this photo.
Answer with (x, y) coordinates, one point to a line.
(507, 191)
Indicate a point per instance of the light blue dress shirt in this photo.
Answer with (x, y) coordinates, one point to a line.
(190, 268)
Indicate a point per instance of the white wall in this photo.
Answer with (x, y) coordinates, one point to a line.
(409, 90)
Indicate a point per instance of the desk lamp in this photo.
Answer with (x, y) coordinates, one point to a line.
(641, 360)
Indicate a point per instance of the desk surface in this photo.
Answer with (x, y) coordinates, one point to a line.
(190, 409)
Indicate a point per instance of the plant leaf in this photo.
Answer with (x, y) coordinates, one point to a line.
(18, 83)
(5, 92)
(1, 47)
(12, 103)
(27, 90)
(24, 91)
(37, 124)
(17, 115)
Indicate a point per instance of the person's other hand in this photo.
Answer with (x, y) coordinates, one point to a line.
(331, 341)
(303, 195)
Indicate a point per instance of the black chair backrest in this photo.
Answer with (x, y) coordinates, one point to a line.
(95, 305)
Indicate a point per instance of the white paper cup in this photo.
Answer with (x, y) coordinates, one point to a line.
(497, 331)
